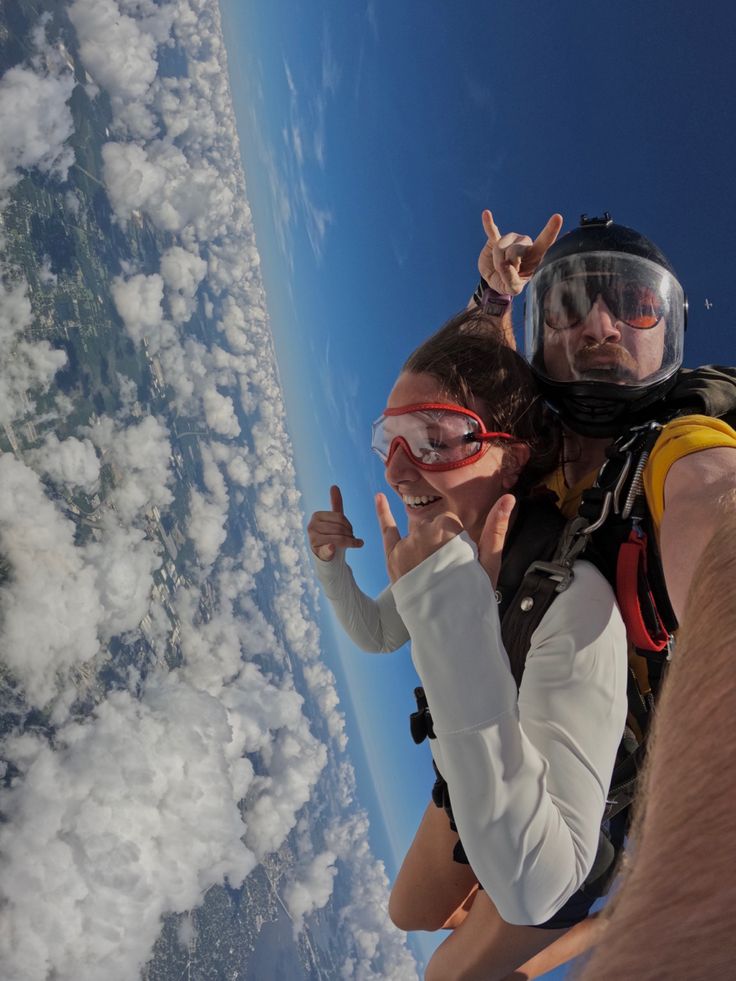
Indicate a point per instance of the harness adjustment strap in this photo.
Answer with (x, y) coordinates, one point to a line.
(624, 782)
(644, 625)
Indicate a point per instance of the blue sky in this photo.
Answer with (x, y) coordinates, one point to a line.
(374, 134)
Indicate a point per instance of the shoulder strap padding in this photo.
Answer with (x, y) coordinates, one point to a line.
(708, 391)
(525, 594)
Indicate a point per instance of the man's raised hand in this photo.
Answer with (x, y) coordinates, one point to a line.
(330, 530)
(508, 262)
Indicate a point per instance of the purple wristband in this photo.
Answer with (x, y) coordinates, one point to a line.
(490, 300)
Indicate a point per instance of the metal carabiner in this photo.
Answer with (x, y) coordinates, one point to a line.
(605, 511)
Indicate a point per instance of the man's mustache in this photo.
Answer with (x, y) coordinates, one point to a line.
(608, 358)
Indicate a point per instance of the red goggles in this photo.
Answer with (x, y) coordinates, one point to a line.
(433, 435)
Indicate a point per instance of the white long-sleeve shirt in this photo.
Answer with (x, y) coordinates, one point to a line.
(374, 625)
(528, 772)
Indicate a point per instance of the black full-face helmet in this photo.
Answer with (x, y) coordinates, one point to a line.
(605, 322)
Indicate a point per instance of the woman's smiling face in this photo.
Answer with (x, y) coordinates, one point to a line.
(469, 491)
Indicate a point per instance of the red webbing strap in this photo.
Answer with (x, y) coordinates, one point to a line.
(644, 625)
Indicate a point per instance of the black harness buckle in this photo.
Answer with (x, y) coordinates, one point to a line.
(420, 722)
(561, 574)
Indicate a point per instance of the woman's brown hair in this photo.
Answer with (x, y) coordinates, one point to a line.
(471, 360)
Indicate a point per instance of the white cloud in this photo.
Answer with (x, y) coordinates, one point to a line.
(295, 761)
(49, 606)
(119, 54)
(26, 365)
(138, 301)
(132, 180)
(35, 123)
(321, 683)
(310, 888)
(173, 192)
(182, 272)
(378, 947)
(124, 563)
(206, 527)
(208, 512)
(316, 219)
(293, 199)
(265, 719)
(139, 454)
(235, 460)
(133, 812)
(371, 17)
(220, 412)
(46, 275)
(69, 461)
(155, 18)
(72, 203)
(132, 815)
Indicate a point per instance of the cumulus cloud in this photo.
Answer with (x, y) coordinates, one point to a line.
(46, 276)
(60, 601)
(220, 412)
(132, 180)
(295, 761)
(321, 683)
(49, 605)
(190, 778)
(160, 181)
(138, 301)
(36, 122)
(124, 563)
(182, 272)
(132, 815)
(72, 203)
(266, 719)
(156, 18)
(27, 366)
(120, 55)
(68, 462)
(310, 888)
(235, 460)
(208, 512)
(139, 456)
(378, 948)
(114, 49)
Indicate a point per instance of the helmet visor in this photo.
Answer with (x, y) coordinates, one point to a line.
(605, 317)
(434, 436)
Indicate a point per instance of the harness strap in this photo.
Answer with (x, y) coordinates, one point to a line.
(639, 705)
(625, 554)
(644, 625)
(531, 601)
(542, 581)
(624, 782)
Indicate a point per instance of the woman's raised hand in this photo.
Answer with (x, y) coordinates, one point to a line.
(330, 530)
(507, 262)
(404, 554)
(493, 536)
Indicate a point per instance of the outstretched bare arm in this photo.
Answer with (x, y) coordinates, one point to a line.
(670, 918)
